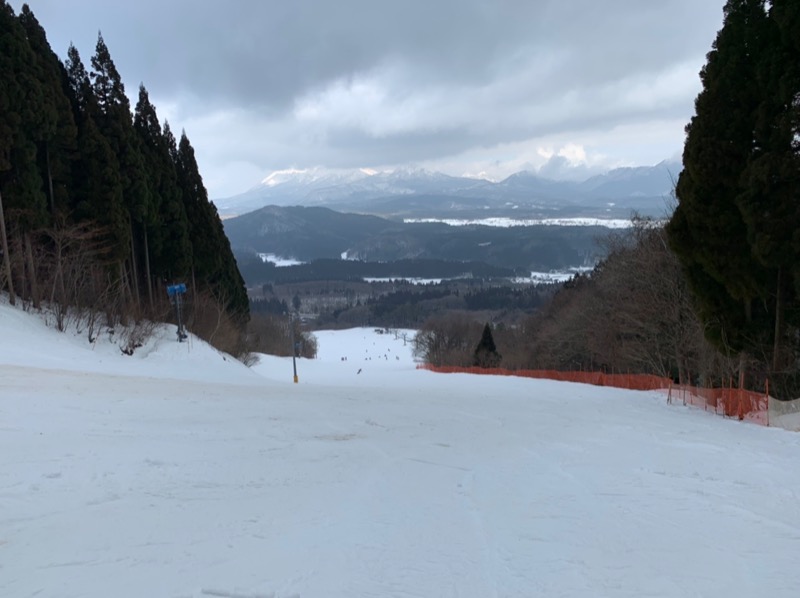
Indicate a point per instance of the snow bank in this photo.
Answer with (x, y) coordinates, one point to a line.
(31, 340)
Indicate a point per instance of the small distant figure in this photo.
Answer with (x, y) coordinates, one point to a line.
(359, 371)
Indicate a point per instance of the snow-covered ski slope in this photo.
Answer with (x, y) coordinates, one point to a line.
(179, 473)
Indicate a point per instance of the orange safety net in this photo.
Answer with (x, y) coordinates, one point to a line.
(730, 402)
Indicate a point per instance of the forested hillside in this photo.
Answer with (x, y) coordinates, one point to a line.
(100, 205)
(309, 233)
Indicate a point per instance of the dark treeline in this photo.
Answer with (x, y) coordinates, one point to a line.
(271, 305)
(257, 272)
(100, 205)
(503, 297)
(387, 305)
(410, 306)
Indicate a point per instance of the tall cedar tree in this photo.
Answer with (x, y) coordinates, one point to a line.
(707, 230)
(11, 96)
(30, 118)
(115, 122)
(734, 229)
(58, 146)
(25, 122)
(80, 93)
(770, 200)
(166, 240)
(97, 184)
(213, 262)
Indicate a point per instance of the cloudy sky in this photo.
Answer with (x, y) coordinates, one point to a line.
(468, 87)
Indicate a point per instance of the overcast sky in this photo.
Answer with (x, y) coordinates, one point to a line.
(468, 87)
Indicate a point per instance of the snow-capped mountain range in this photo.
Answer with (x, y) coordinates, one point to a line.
(383, 192)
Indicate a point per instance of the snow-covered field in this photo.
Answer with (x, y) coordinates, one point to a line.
(180, 473)
(502, 222)
(279, 261)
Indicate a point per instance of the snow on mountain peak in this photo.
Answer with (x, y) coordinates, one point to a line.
(316, 176)
(281, 176)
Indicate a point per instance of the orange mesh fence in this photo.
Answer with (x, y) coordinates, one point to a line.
(730, 402)
(630, 381)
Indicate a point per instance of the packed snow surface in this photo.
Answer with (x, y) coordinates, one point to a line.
(178, 472)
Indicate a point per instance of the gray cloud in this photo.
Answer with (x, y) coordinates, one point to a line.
(272, 84)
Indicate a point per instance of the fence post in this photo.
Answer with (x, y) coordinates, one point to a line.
(741, 407)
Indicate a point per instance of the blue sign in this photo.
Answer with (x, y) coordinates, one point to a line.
(176, 289)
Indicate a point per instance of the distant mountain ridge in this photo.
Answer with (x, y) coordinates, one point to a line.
(381, 192)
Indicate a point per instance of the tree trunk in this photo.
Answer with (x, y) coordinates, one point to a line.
(122, 300)
(37, 303)
(742, 368)
(6, 256)
(134, 267)
(58, 281)
(147, 266)
(50, 179)
(777, 349)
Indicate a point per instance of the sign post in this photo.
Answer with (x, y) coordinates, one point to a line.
(176, 292)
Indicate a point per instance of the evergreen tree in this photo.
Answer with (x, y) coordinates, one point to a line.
(10, 93)
(81, 94)
(25, 122)
(213, 262)
(58, 144)
(11, 96)
(115, 122)
(100, 192)
(106, 80)
(166, 232)
(707, 230)
(770, 199)
(734, 229)
(486, 355)
(97, 182)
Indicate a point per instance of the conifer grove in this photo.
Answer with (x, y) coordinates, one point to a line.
(101, 206)
(735, 229)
